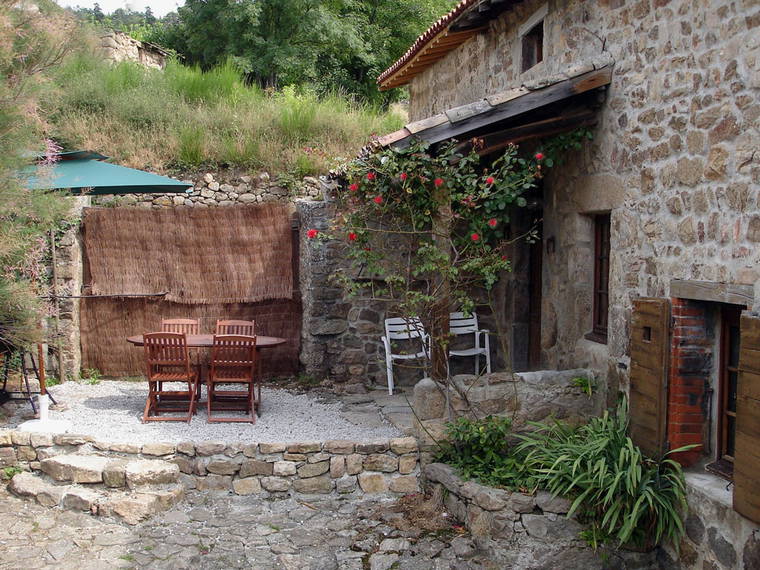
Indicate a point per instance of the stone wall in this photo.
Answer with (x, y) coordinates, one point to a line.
(117, 47)
(389, 467)
(675, 156)
(524, 397)
(520, 530)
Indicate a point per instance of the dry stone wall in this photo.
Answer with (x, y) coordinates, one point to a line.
(117, 47)
(382, 467)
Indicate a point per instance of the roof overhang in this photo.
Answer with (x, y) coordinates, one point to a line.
(535, 110)
(465, 20)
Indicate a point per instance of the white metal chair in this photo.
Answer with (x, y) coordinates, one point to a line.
(460, 324)
(403, 328)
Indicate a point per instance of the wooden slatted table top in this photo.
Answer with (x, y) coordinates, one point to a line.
(206, 340)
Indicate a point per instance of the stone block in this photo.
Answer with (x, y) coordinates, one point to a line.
(214, 482)
(445, 475)
(186, 448)
(403, 445)
(284, 468)
(250, 450)
(372, 447)
(337, 466)
(381, 462)
(150, 472)
(428, 400)
(304, 447)
(247, 486)
(407, 464)
(339, 446)
(322, 484)
(275, 484)
(721, 548)
(132, 448)
(257, 467)
(8, 457)
(346, 484)
(80, 499)
(208, 448)
(114, 473)
(405, 484)
(313, 469)
(354, 463)
(268, 448)
(542, 528)
(5, 439)
(373, 483)
(491, 499)
(41, 439)
(317, 457)
(26, 484)
(223, 467)
(185, 465)
(521, 503)
(21, 438)
(26, 453)
(552, 504)
(296, 457)
(76, 468)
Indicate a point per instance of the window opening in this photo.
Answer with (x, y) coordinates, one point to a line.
(727, 386)
(533, 46)
(601, 278)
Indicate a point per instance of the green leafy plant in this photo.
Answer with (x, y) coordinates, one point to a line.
(91, 376)
(480, 449)
(10, 472)
(588, 385)
(623, 495)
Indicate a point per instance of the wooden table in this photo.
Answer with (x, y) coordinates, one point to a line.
(207, 341)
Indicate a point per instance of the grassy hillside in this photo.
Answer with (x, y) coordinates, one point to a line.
(183, 118)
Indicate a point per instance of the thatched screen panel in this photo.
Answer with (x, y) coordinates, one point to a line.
(106, 324)
(198, 255)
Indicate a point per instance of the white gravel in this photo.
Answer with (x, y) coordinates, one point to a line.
(112, 410)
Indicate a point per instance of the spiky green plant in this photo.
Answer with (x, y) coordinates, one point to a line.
(624, 495)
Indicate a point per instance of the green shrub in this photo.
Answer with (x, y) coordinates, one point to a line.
(480, 449)
(623, 495)
(191, 147)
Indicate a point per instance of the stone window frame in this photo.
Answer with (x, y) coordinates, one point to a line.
(537, 18)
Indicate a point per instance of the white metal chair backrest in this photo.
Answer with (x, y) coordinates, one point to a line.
(398, 328)
(459, 323)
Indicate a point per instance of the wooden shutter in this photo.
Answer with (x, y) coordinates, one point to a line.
(650, 344)
(747, 450)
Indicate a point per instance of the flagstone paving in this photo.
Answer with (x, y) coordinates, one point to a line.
(222, 531)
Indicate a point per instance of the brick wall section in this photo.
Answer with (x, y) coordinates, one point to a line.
(690, 369)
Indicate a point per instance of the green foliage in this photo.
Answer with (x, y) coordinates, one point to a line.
(186, 117)
(623, 495)
(588, 385)
(11, 472)
(91, 376)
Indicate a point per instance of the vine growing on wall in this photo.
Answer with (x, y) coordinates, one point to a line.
(428, 230)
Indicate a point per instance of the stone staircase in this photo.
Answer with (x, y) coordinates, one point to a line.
(129, 489)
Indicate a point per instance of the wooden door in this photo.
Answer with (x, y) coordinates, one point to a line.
(535, 289)
(747, 449)
(650, 344)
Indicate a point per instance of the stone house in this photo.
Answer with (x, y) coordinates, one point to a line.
(648, 269)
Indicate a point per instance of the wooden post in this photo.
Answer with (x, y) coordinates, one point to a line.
(41, 368)
(442, 221)
(57, 303)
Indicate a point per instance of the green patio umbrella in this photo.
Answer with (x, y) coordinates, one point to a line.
(85, 171)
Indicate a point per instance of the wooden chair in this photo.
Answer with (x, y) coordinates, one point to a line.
(233, 361)
(185, 326)
(245, 328)
(167, 362)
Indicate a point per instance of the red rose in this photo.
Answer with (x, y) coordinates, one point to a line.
(377, 199)
(312, 233)
(492, 222)
(354, 187)
(503, 257)
(490, 180)
(438, 182)
(351, 236)
(475, 237)
(370, 175)
(403, 176)
(539, 156)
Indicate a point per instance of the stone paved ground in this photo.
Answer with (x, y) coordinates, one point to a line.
(222, 531)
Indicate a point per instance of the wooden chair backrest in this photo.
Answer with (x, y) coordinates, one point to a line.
(186, 326)
(166, 352)
(245, 328)
(233, 357)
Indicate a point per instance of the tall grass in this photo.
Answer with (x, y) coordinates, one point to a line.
(182, 117)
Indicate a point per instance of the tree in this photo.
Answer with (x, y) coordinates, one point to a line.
(149, 18)
(29, 46)
(97, 13)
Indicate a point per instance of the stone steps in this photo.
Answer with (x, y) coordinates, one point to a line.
(131, 490)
